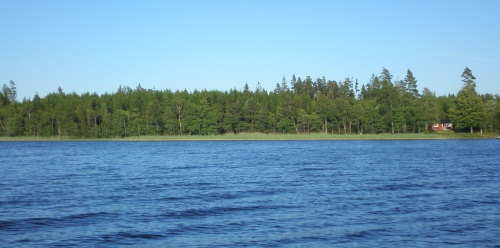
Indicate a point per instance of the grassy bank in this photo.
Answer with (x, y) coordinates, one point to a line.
(261, 136)
(315, 136)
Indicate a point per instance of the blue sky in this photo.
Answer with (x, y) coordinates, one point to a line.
(95, 46)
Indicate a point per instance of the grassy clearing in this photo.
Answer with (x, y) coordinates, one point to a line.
(262, 136)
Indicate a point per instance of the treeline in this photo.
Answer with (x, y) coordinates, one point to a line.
(295, 106)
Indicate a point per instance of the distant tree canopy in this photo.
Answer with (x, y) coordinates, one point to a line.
(296, 106)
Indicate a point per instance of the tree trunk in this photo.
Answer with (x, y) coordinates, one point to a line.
(471, 131)
(344, 125)
(29, 119)
(179, 108)
(326, 126)
(295, 125)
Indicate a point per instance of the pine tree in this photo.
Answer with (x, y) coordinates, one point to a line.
(411, 84)
(10, 92)
(284, 85)
(468, 111)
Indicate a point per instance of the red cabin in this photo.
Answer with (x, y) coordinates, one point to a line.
(443, 125)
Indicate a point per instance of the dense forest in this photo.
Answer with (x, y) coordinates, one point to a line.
(295, 106)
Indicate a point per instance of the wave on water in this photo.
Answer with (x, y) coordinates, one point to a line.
(56, 222)
(259, 194)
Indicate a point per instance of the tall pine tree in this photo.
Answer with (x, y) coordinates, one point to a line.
(468, 111)
(411, 84)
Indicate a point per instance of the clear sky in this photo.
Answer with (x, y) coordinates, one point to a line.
(95, 46)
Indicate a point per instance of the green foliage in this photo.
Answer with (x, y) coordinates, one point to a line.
(429, 110)
(468, 112)
(9, 93)
(299, 107)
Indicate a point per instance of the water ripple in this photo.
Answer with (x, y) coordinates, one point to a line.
(260, 194)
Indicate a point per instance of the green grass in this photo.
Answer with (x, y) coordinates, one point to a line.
(314, 136)
(262, 136)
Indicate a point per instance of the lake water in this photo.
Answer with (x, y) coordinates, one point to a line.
(250, 193)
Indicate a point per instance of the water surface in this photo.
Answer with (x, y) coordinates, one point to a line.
(250, 193)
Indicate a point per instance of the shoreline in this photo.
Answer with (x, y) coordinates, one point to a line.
(266, 137)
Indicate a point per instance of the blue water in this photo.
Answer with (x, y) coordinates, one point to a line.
(250, 193)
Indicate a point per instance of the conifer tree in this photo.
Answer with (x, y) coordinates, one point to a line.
(411, 84)
(468, 111)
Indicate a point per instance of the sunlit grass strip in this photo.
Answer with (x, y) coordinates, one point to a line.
(263, 136)
(34, 138)
(315, 136)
